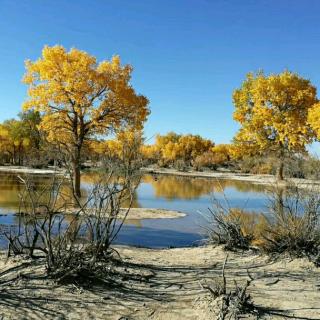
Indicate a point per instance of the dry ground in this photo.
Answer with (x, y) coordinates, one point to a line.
(161, 284)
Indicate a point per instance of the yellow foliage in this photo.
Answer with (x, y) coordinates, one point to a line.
(173, 147)
(13, 136)
(150, 152)
(272, 111)
(314, 119)
(125, 146)
(80, 99)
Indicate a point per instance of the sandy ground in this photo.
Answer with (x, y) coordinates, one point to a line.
(263, 179)
(162, 284)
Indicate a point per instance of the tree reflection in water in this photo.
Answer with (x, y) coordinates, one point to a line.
(164, 186)
(175, 187)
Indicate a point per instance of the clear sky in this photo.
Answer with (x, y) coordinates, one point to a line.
(188, 55)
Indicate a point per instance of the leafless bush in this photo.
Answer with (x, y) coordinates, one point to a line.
(303, 166)
(207, 160)
(180, 165)
(74, 237)
(235, 301)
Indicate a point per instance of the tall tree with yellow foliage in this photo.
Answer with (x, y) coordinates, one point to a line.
(273, 111)
(80, 98)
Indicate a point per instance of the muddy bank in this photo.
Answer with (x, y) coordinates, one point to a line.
(162, 284)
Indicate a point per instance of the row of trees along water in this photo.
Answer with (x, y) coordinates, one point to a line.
(85, 110)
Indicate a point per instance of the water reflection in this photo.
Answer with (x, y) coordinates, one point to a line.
(167, 187)
(175, 187)
(188, 195)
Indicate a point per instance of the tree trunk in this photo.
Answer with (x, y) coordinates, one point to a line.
(280, 176)
(76, 177)
(14, 155)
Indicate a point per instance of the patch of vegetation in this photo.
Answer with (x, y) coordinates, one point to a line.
(292, 226)
(72, 244)
(233, 302)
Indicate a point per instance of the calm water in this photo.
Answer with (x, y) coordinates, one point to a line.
(189, 195)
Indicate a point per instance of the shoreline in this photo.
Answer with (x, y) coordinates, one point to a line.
(262, 179)
(22, 169)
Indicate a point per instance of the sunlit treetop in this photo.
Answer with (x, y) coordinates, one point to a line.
(79, 96)
(273, 111)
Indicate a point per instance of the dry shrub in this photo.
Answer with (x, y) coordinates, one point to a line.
(180, 165)
(253, 225)
(294, 226)
(206, 160)
(258, 165)
(305, 167)
(210, 160)
(74, 238)
(263, 168)
(232, 303)
(162, 163)
(310, 168)
(234, 227)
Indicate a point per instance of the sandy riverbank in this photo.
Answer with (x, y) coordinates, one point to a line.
(27, 170)
(263, 179)
(162, 284)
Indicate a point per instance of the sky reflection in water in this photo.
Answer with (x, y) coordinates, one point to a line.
(189, 195)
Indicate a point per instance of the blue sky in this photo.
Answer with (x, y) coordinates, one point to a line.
(188, 55)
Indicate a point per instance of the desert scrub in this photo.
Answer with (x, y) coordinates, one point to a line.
(230, 302)
(234, 227)
(294, 226)
(72, 245)
(291, 225)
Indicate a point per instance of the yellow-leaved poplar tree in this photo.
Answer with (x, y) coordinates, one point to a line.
(80, 98)
(273, 111)
(187, 147)
(124, 147)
